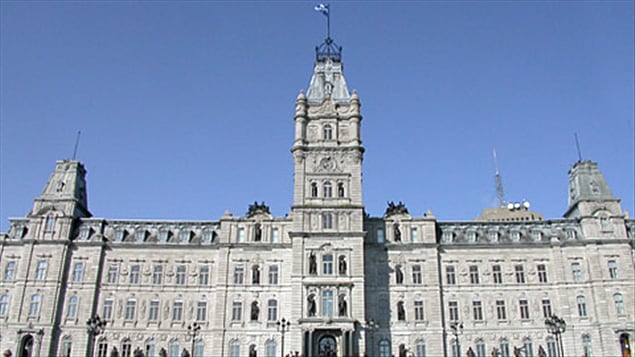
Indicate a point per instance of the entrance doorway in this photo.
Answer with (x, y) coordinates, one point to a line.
(26, 346)
(625, 344)
(327, 346)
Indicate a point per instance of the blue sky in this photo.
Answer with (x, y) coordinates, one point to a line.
(186, 108)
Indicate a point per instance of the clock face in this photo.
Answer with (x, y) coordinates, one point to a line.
(328, 164)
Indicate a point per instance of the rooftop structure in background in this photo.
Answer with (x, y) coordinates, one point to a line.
(512, 212)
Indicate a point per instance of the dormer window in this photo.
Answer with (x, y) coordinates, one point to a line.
(571, 234)
(164, 235)
(84, 233)
(515, 236)
(536, 235)
(471, 236)
(327, 132)
(447, 236)
(120, 234)
(208, 236)
(140, 235)
(184, 236)
(493, 236)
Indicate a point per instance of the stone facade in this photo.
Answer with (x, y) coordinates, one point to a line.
(349, 284)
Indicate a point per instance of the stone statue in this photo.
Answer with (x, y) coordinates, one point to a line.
(342, 265)
(398, 274)
(138, 352)
(541, 352)
(393, 208)
(185, 353)
(258, 208)
(114, 352)
(401, 313)
(258, 233)
(255, 311)
(397, 232)
(470, 352)
(312, 264)
(311, 303)
(343, 310)
(255, 275)
(252, 351)
(163, 352)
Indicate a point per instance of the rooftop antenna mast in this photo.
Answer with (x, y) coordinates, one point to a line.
(76, 144)
(577, 145)
(499, 183)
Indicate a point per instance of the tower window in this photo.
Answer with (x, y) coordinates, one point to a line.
(327, 132)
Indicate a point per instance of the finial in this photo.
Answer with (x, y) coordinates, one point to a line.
(328, 49)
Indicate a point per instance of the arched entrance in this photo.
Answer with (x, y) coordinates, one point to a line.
(26, 346)
(327, 346)
(625, 344)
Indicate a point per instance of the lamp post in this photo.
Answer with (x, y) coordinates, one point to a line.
(556, 326)
(457, 328)
(283, 325)
(95, 326)
(372, 326)
(193, 331)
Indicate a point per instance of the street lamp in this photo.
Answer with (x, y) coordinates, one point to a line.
(95, 327)
(556, 326)
(192, 331)
(283, 325)
(457, 328)
(372, 326)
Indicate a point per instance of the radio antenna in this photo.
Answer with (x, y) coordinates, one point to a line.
(499, 183)
(76, 144)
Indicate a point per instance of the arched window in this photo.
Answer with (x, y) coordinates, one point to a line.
(327, 302)
(327, 132)
(528, 347)
(270, 349)
(199, 349)
(314, 189)
(234, 348)
(49, 224)
(4, 305)
(67, 346)
(619, 304)
(481, 350)
(586, 346)
(174, 348)
(327, 190)
(102, 349)
(71, 312)
(384, 348)
(420, 348)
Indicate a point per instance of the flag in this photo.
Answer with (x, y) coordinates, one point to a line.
(323, 8)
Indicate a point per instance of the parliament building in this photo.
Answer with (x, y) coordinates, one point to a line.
(325, 280)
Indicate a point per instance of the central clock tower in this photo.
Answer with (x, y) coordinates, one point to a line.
(327, 212)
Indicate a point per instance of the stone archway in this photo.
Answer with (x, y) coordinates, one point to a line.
(26, 346)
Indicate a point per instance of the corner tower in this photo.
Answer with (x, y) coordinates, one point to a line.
(328, 214)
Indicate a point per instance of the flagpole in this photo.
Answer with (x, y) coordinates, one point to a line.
(328, 21)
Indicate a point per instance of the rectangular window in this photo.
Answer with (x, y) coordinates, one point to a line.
(524, 309)
(272, 310)
(581, 306)
(71, 312)
(520, 274)
(450, 275)
(327, 303)
(239, 274)
(78, 273)
(4, 305)
(546, 308)
(419, 310)
(157, 275)
(501, 313)
(327, 220)
(102, 349)
(576, 269)
(153, 312)
(612, 269)
(40, 272)
(453, 310)
(542, 273)
(240, 235)
(477, 309)
(106, 311)
(201, 311)
(275, 235)
(497, 274)
(327, 264)
(416, 274)
(273, 275)
(177, 310)
(380, 235)
(203, 275)
(134, 274)
(180, 275)
(131, 309)
(474, 277)
(414, 234)
(34, 307)
(237, 311)
(112, 274)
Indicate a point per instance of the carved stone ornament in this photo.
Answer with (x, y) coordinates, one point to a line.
(258, 208)
(392, 209)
